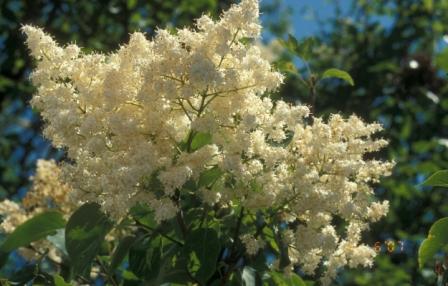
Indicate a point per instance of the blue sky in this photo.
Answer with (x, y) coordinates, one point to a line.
(304, 22)
(304, 14)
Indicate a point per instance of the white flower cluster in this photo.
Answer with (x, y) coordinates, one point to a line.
(47, 192)
(252, 244)
(48, 189)
(137, 114)
(12, 214)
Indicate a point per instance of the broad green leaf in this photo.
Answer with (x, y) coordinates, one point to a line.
(286, 280)
(337, 73)
(436, 240)
(173, 266)
(200, 140)
(59, 281)
(121, 251)
(144, 257)
(84, 234)
(209, 177)
(439, 179)
(36, 228)
(203, 247)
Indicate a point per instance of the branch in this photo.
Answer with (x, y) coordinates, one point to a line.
(106, 272)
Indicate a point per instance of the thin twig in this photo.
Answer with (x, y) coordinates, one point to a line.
(216, 94)
(230, 45)
(173, 78)
(185, 111)
(237, 230)
(134, 104)
(107, 272)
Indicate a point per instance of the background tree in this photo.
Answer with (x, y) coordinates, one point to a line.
(395, 50)
(92, 25)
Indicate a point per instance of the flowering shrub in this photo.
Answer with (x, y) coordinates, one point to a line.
(175, 144)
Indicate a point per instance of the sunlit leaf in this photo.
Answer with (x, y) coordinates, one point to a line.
(59, 281)
(291, 279)
(439, 179)
(436, 240)
(34, 229)
(337, 73)
(200, 140)
(208, 177)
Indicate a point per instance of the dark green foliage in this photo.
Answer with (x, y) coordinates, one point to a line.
(375, 42)
(94, 25)
(84, 234)
(122, 250)
(375, 54)
(202, 247)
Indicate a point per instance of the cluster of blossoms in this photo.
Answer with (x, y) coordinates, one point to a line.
(133, 116)
(47, 192)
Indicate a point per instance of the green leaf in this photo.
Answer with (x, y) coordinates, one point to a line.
(36, 228)
(153, 184)
(439, 179)
(429, 5)
(59, 281)
(144, 215)
(436, 240)
(84, 234)
(128, 275)
(131, 4)
(209, 177)
(173, 265)
(200, 140)
(303, 49)
(203, 248)
(286, 280)
(144, 257)
(121, 251)
(442, 60)
(336, 73)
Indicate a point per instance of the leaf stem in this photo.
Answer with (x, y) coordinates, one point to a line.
(159, 232)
